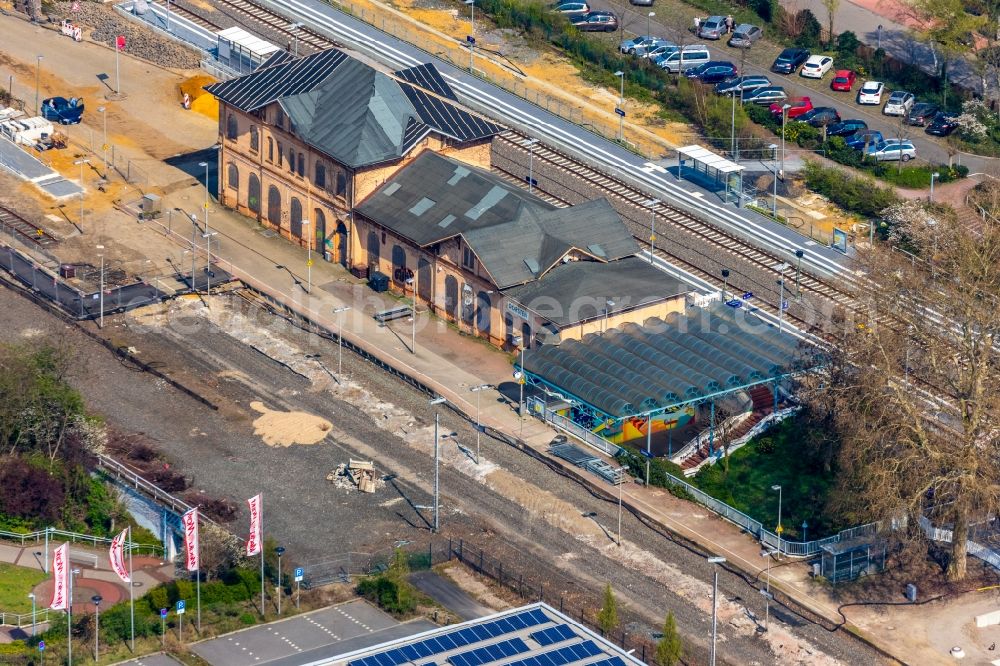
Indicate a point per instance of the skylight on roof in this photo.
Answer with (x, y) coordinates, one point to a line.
(490, 199)
(532, 265)
(391, 189)
(422, 206)
(448, 219)
(460, 173)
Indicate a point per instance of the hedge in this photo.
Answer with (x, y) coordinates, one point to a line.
(856, 194)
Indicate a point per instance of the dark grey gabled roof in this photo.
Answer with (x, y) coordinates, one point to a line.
(516, 235)
(429, 78)
(269, 84)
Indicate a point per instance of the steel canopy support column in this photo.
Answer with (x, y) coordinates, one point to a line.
(711, 430)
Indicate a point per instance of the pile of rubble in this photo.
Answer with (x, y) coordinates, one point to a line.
(357, 474)
(106, 25)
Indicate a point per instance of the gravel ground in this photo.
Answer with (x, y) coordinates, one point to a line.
(220, 451)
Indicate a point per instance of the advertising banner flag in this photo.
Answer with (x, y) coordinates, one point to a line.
(117, 555)
(191, 546)
(60, 577)
(256, 529)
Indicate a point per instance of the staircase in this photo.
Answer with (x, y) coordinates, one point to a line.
(969, 218)
(763, 404)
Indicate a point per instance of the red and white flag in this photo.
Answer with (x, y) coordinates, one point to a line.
(256, 528)
(118, 557)
(60, 577)
(191, 547)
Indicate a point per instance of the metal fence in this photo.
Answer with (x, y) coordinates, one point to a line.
(54, 534)
(19, 620)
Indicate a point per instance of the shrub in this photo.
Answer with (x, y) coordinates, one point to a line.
(390, 595)
(855, 194)
(809, 29)
(248, 619)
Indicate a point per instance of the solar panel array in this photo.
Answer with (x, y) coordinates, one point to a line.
(494, 652)
(429, 78)
(552, 635)
(561, 656)
(266, 85)
(447, 118)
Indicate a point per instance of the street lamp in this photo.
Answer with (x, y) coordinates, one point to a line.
(779, 529)
(472, 37)
(38, 67)
(784, 120)
(280, 550)
(774, 167)
(97, 625)
(437, 484)
(934, 176)
(725, 283)
(31, 595)
(101, 255)
(620, 473)
(208, 236)
(651, 205)
(649, 16)
(69, 618)
(521, 379)
(104, 143)
(798, 270)
(340, 337)
(294, 29)
(608, 304)
(781, 296)
(620, 110)
(479, 426)
(530, 145)
(309, 257)
(766, 592)
(715, 605)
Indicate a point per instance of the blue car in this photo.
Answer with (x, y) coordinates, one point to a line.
(858, 140)
(63, 111)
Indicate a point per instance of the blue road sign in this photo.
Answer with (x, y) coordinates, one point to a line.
(620, 112)
(299, 574)
(180, 607)
(648, 454)
(735, 303)
(470, 39)
(784, 305)
(163, 612)
(41, 646)
(747, 295)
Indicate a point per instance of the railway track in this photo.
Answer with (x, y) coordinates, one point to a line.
(16, 225)
(177, 10)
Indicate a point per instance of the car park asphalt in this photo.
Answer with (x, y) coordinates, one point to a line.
(758, 61)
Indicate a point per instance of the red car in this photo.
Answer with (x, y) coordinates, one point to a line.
(843, 80)
(796, 107)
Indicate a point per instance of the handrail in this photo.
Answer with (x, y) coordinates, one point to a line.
(40, 616)
(39, 536)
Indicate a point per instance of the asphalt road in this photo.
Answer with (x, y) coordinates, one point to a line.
(758, 62)
(449, 595)
(152, 660)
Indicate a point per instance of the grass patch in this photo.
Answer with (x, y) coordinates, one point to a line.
(15, 584)
(777, 457)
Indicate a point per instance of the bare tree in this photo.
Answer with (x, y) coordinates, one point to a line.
(831, 7)
(913, 388)
(945, 27)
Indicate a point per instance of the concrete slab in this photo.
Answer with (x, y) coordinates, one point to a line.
(9, 554)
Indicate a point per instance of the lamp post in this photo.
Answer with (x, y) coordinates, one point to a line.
(766, 592)
(101, 255)
(784, 120)
(798, 270)
(781, 296)
(725, 283)
(620, 110)
(69, 618)
(472, 37)
(779, 529)
(530, 145)
(31, 595)
(294, 29)
(309, 258)
(520, 401)
(620, 472)
(97, 625)
(413, 325)
(340, 337)
(651, 205)
(715, 605)
(878, 39)
(934, 176)
(478, 390)
(774, 167)
(208, 236)
(437, 485)
(608, 304)
(649, 16)
(104, 143)
(280, 550)
(38, 68)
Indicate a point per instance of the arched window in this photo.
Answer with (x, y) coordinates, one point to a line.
(231, 127)
(274, 205)
(254, 139)
(319, 225)
(253, 193)
(295, 217)
(234, 176)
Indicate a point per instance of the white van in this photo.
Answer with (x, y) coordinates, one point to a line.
(689, 56)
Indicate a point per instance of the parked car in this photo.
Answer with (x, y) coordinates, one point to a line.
(63, 111)
(871, 93)
(714, 27)
(843, 80)
(658, 45)
(846, 128)
(796, 107)
(943, 124)
(599, 21)
(892, 150)
(572, 8)
(642, 3)
(789, 60)
(742, 84)
(921, 114)
(630, 45)
(744, 35)
(682, 59)
(899, 103)
(816, 66)
(820, 115)
(712, 71)
(859, 140)
(765, 96)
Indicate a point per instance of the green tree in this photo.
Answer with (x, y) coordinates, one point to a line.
(946, 28)
(669, 648)
(607, 617)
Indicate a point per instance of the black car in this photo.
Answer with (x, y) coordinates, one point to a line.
(943, 124)
(790, 60)
(742, 84)
(712, 71)
(821, 115)
(846, 127)
(921, 114)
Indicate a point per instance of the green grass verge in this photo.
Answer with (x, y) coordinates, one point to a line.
(15, 584)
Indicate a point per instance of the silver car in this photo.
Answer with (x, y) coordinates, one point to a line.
(630, 45)
(892, 150)
(745, 35)
(899, 103)
(714, 27)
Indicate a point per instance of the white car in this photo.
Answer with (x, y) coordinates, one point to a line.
(871, 93)
(816, 66)
(899, 103)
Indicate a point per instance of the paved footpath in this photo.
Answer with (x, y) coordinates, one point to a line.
(151, 660)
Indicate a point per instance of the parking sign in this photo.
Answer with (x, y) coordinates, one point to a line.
(299, 574)
(180, 607)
